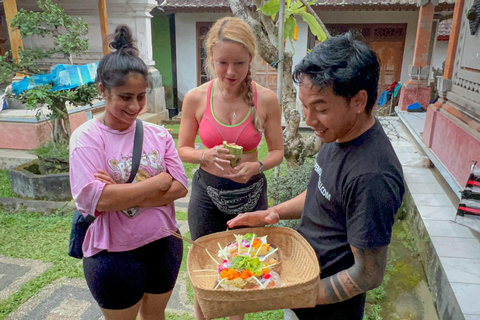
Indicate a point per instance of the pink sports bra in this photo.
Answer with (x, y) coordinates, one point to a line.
(212, 132)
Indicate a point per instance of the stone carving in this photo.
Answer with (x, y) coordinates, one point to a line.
(473, 16)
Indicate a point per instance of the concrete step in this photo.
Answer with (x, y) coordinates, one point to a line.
(150, 117)
(10, 158)
(172, 121)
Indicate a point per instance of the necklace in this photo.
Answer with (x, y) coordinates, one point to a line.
(234, 114)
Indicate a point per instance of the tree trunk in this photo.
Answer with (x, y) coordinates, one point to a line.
(61, 123)
(296, 147)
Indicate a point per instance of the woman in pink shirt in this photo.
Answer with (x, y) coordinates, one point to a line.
(130, 264)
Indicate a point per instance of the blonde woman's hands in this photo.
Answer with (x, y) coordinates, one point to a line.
(243, 172)
(218, 156)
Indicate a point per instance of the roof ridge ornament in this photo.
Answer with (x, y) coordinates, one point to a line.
(421, 3)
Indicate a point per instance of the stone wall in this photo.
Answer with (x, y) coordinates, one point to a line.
(441, 289)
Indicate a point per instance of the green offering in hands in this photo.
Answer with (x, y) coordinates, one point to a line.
(234, 149)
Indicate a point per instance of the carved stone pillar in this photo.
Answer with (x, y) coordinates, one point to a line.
(417, 87)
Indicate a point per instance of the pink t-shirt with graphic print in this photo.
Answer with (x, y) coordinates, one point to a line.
(95, 146)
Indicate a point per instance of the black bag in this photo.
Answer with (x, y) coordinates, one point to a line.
(80, 224)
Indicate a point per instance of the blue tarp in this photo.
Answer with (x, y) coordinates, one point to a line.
(61, 77)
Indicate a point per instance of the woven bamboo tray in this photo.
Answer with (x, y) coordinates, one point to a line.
(299, 273)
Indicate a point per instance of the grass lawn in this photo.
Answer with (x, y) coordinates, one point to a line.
(5, 189)
(34, 236)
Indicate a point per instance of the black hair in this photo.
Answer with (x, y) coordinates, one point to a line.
(345, 64)
(114, 68)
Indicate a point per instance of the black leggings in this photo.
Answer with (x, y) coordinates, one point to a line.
(118, 280)
(206, 216)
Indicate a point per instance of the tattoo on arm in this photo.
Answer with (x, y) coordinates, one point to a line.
(365, 274)
(343, 286)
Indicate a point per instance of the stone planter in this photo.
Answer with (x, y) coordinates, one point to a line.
(27, 184)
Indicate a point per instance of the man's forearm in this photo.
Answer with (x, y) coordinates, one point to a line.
(339, 287)
(292, 209)
(366, 274)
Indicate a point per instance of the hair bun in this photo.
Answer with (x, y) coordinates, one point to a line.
(122, 39)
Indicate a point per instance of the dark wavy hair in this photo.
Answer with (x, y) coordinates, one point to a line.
(345, 64)
(114, 68)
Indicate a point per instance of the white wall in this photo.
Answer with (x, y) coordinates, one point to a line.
(133, 13)
(439, 53)
(185, 33)
(186, 52)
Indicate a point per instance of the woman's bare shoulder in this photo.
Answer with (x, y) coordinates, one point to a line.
(265, 95)
(197, 94)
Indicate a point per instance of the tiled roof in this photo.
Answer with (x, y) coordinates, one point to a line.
(444, 27)
(177, 4)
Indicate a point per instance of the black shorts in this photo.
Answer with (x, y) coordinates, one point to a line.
(118, 280)
(215, 200)
(351, 309)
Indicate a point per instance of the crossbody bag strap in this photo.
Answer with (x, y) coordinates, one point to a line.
(137, 149)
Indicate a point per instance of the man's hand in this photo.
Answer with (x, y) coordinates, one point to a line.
(256, 218)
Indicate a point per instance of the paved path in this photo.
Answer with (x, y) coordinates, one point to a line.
(68, 299)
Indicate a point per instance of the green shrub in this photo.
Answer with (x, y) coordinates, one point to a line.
(289, 184)
(53, 157)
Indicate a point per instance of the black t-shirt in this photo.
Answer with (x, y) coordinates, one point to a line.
(355, 190)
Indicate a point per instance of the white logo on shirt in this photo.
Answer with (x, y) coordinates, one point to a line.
(321, 188)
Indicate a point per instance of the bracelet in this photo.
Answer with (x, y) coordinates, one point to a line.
(202, 160)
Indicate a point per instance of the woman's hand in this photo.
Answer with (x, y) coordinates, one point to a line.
(218, 156)
(243, 172)
(103, 176)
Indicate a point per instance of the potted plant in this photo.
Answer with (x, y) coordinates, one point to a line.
(69, 37)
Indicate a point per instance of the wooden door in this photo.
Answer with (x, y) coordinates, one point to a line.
(390, 54)
(202, 30)
(263, 73)
(386, 40)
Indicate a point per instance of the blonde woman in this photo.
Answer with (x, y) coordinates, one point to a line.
(230, 108)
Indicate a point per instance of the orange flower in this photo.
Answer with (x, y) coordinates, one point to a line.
(246, 274)
(295, 34)
(256, 243)
(265, 271)
(230, 274)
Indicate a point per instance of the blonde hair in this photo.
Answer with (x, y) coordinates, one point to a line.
(230, 29)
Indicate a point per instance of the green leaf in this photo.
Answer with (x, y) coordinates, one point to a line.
(248, 237)
(242, 262)
(270, 8)
(290, 24)
(297, 5)
(315, 27)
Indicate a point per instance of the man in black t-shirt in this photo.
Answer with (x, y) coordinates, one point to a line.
(356, 187)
